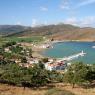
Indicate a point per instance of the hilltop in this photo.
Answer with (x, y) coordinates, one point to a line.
(59, 31)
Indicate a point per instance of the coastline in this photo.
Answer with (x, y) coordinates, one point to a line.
(37, 51)
(59, 41)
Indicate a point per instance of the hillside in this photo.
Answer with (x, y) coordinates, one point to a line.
(60, 31)
(49, 30)
(11, 29)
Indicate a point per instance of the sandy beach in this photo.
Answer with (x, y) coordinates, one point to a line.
(37, 52)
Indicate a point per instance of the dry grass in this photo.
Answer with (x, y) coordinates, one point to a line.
(10, 90)
(77, 90)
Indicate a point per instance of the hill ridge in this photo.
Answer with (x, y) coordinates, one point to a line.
(59, 31)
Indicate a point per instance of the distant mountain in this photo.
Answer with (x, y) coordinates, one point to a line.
(60, 31)
(48, 30)
(11, 29)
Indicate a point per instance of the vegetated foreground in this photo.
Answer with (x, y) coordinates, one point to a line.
(20, 74)
(12, 90)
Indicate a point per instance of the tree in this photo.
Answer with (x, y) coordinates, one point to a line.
(12, 74)
(39, 77)
(30, 53)
(23, 60)
(41, 65)
(76, 74)
(16, 49)
(9, 44)
(45, 60)
(91, 73)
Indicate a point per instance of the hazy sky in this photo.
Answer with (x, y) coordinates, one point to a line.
(36, 12)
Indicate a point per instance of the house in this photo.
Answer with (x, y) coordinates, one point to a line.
(49, 67)
(26, 65)
(18, 61)
(32, 60)
(50, 60)
(7, 49)
(56, 66)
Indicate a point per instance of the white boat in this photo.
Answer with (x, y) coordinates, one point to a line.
(93, 46)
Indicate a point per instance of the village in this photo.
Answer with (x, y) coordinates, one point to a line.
(22, 54)
(27, 54)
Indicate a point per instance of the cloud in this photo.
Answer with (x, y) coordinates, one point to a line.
(34, 22)
(85, 2)
(88, 21)
(71, 20)
(65, 5)
(18, 23)
(43, 8)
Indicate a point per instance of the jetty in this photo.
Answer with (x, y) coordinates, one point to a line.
(69, 58)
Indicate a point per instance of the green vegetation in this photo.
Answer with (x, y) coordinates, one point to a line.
(45, 60)
(9, 44)
(14, 51)
(2, 41)
(36, 76)
(25, 39)
(57, 91)
(20, 76)
(80, 74)
(23, 60)
(15, 75)
(33, 39)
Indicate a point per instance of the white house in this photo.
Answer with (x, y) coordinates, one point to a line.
(49, 67)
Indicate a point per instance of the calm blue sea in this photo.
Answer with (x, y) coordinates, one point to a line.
(65, 49)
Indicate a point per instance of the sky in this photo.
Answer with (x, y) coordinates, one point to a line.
(45, 12)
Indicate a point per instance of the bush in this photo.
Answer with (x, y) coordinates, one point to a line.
(9, 44)
(45, 60)
(56, 91)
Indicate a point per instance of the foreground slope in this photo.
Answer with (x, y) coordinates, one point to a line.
(12, 90)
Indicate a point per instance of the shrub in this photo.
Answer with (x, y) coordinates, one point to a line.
(45, 60)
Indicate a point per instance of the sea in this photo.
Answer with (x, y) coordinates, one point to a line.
(65, 49)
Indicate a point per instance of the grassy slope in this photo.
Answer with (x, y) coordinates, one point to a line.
(25, 39)
(34, 39)
(2, 41)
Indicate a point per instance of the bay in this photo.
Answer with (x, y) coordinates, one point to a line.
(65, 49)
